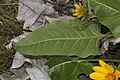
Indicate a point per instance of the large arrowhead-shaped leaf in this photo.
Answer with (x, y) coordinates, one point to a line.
(61, 38)
(108, 12)
(70, 70)
(62, 68)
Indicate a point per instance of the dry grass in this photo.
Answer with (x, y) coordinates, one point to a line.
(10, 29)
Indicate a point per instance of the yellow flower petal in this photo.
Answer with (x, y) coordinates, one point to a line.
(106, 66)
(96, 75)
(109, 68)
(79, 16)
(104, 72)
(75, 14)
(80, 5)
(79, 11)
(117, 73)
(102, 63)
(116, 78)
(76, 5)
(100, 70)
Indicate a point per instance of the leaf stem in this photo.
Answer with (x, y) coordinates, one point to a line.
(95, 60)
(109, 34)
(89, 7)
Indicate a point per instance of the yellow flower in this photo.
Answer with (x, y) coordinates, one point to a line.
(104, 72)
(79, 11)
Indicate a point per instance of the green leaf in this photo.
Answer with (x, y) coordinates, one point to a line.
(108, 12)
(61, 38)
(55, 60)
(118, 67)
(62, 68)
(70, 70)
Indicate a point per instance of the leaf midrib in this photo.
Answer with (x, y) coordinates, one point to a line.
(60, 39)
(63, 63)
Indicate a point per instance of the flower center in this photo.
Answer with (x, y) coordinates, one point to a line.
(110, 76)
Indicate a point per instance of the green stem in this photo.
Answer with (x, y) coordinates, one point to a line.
(95, 60)
(89, 7)
(108, 35)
